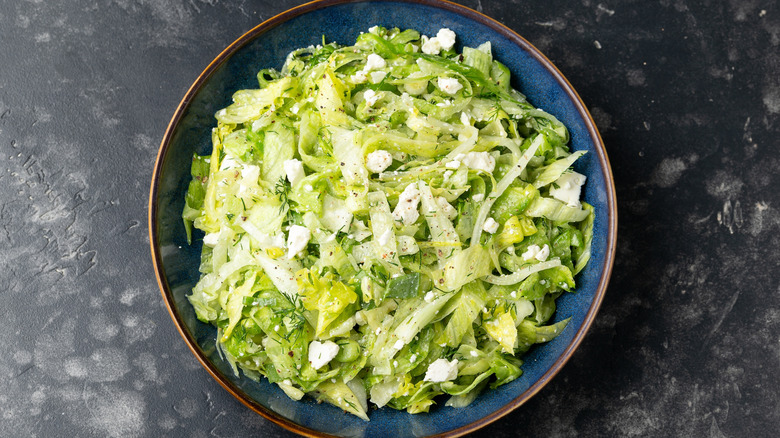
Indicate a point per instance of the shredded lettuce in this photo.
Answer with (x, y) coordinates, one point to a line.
(388, 222)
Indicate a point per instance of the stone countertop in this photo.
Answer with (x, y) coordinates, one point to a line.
(687, 98)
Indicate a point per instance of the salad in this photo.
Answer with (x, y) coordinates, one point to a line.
(386, 222)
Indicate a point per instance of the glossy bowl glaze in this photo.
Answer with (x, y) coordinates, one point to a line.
(176, 263)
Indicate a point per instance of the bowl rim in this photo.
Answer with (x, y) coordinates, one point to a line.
(603, 161)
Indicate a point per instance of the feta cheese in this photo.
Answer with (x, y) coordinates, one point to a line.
(297, 240)
(371, 97)
(407, 245)
(441, 370)
(491, 226)
(429, 297)
(454, 164)
(449, 85)
(378, 161)
(211, 239)
(567, 188)
(431, 46)
(446, 208)
(479, 161)
(374, 62)
(413, 358)
(406, 209)
(446, 38)
(474, 353)
(294, 170)
(399, 344)
(534, 252)
(359, 77)
(377, 76)
(479, 197)
(320, 353)
(447, 174)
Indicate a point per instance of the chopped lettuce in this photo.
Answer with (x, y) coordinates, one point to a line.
(387, 222)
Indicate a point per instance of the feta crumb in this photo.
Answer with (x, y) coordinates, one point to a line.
(479, 161)
(297, 240)
(441, 370)
(568, 187)
(513, 294)
(374, 62)
(454, 164)
(431, 46)
(446, 208)
(464, 118)
(322, 353)
(294, 170)
(378, 161)
(413, 358)
(543, 253)
(479, 197)
(377, 76)
(474, 353)
(406, 209)
(359, 77)
(371, 97)
(491, 226)
(211, 239)
(534, 252)
(446, 38)
(429, 297)
(449, 85)
(374, 30)
(399, 344)
(447, 174)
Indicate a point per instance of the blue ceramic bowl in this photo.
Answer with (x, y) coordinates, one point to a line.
(176, 263)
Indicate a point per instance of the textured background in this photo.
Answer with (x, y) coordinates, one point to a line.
(687, 98)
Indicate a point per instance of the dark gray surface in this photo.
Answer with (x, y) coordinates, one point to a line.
(687, 97)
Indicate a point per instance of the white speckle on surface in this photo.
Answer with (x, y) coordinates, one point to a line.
(668, 172)
(115, 412)
(22, 357)
(43, 37)
(186, 407)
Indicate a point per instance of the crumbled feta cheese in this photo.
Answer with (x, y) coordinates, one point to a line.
(446, 208)
(374, 62)
(359, 77)
(320, 353)
(464, 118)
(294, 170)
(479, 161)
(513, 294)
(534, 252)
(567, 188)
(429, 297)
(406, 209)
(449, 85)
(211, 239)
(454, 164)
(441, 370)
(447, 174)
(399, 344)
(374, 30)
(371, 97)
(491, 226)
(297, 240)
(407, 245)
(446, 38)
(444, 104)
(479, 197)
(543, 253)
(431, 46)
(474, 353)
(412, 358)
(378, 161)
(377, 76)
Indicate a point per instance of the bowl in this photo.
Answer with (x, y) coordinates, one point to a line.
(176, 263)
